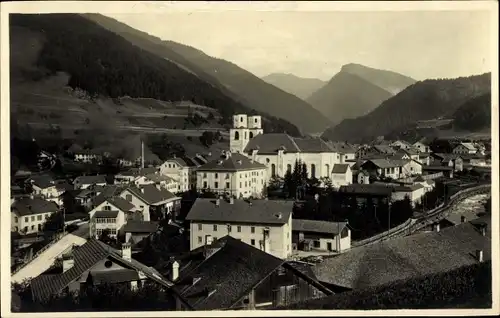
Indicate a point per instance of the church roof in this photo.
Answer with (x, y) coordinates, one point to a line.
(271, 143)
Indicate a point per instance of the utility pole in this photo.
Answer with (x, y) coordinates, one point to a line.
(64, 220)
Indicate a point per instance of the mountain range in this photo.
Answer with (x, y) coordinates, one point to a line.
(424, 100)
(298, 86)
(236, 82)
(356, 90)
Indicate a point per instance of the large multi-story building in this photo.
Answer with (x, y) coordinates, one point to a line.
(183, 170)
(233, 174)
(279, 151)
(264, 224)
(29, 215)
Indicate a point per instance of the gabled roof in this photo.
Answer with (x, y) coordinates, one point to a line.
(405, 258)
(231, 162)
(150, 194)
(385, 149)
(28, 206)
(388, 163)
(341, 147)
(315, 226)
(258, 212)
(90, 179)
(121, 203)
(270, 143)
(312, 145)
(109, 191)
(85, 257)
(468, 145)
(43, 181)
(227, 276)
(157, 178)
(340, 168)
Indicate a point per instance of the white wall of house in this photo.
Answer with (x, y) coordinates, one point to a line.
(280, 235)
(341, 179)
(421, 147)
(336, 241)
(185, 176)
(412, 168)
(244, 183)
(462, 150)
(138, 203)
(115, 225)
(414, 196)
(28, 224)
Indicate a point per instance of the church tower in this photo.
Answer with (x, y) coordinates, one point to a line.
(244, 128)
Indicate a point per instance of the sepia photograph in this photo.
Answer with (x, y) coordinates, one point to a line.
(280, 157)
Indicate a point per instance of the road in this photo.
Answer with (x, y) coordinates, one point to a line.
(82, 231)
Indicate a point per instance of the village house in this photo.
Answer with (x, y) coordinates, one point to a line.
(153, 201)
(43, 186)
(91, 264)
(28, 215)
(229, 274)
(447, 171)
(183, 170)
(341, 175)
(279, 151)
(83, 182)
(474, 160)
(380, 193)
(465, 148)
(421, 147)
(233, 174)
(413, 192)
(392, 168)
(265, 224)
(400, 144)
(112, 214)
(345, 151)
(451, 160)
(312, 235)
(132, 174)
(135, 231)
(158, 179)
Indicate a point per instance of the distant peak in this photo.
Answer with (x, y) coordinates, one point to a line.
(353, 66)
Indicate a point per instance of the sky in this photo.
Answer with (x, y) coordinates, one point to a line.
(419, 44)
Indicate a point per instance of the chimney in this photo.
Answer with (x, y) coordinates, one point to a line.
(127, 251)
(142, 154)
(483, 229)
(231, 200)
(316, 197)
(142, 190)
(217, 202)
(464, 219)
(68, 261)
(479, 256)
(174, 274)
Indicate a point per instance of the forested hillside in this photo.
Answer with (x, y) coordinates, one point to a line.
(245, 87)
(428, 99)
(474, 115)
(103, 63)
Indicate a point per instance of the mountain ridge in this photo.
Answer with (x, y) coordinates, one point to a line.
(247, 87)
(301, 87)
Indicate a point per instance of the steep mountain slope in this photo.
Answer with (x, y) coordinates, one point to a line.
(474, 115)
(347, 96)
(298, 86)
(387, 80)
(424, 100)
(250, 90)
(102, 63)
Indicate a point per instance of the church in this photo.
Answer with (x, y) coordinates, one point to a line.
(279, 151)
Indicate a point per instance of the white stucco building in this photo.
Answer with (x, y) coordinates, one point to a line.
(233, 174)
(321, 235)
(183, 170)
(29, 215)
(279, 151)
(341, 175)
(264, 224)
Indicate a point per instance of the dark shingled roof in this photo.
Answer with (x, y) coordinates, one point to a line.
(340, 168)
(259, 212)
(106, 214)
(314, 226)
(374, 189)
(85, 257)
(136, 172)
(385, 149)
(150, 194)
(90, 179)
(134, 226)
(43, 181)
(121, 204)
(28, 206)
(388, 163)
(109, 191)
(312, 145)
(231, 162)
(230, 274)
(270, 143)
(404, 258)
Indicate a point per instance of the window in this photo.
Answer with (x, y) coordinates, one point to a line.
(32, 218)
(245, 184)
(227, 185)
(15, 219)
(236, 135)
(204, 175)
(252, 241)
(327, 168)
(200, 227)
(200, 239)
(241, 119)
(26, 219)
(229, 228)
(227, 175)
(289, 168)
(215, 227)
(39, 227)
(204, 184)
(240, 185)
(313, 171)
(32, 227)
(245, 135)
(107, 208)
(215, 238)
(267, 160)
(39, 217)
(252, 229)
(129, 197)
(273, 170)
(251, 134)
(316, 244)
(255, 120)
(238, 228)
(216, 175)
